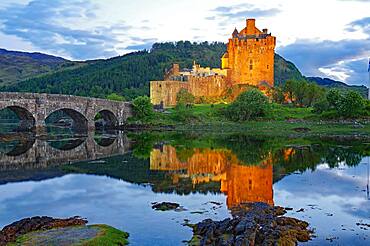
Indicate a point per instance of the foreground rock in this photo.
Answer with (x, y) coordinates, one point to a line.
(50, 231)
(165, 206)
(252, 224)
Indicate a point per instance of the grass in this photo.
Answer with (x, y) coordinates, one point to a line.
(281, 120)
(107, 236)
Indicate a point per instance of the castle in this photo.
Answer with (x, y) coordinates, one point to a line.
(248, 61)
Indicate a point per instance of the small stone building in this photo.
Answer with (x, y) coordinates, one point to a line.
(248, 61)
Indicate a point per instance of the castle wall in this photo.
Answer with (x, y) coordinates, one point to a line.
(251, 61)
(166, 91)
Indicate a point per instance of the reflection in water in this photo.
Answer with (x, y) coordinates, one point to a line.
(325, 178)
(241, 183)
(31, 153)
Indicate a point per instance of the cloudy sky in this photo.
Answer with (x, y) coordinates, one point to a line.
(328, 38)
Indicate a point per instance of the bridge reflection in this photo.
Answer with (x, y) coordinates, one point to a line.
(241, 182)
(29, 152)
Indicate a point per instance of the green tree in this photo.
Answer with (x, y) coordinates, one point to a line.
(249, 104)
(115, 97)
(351, 104)
(278, 95)
(143, 108)
(334, 98)
(184, 97)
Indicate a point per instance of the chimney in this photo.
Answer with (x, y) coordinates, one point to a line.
(264, 30)
(251, 25)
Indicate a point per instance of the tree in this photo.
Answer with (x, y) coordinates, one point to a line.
(350, 104)
(184, 97)
(143, 108)
(249, 104)
(115, 97)
(334, 97)
(278, 95)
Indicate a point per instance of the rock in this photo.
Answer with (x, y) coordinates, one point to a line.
(252, 224)
(165, 206)
(67, 232)
(10, 232)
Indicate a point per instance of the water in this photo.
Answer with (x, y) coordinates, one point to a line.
(113, 179)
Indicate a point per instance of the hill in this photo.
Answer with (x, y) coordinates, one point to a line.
(16, 66)
(330, 83)
(129, 75)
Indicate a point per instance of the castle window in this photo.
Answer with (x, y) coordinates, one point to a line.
(267, 66)
(250, 67)
(160, 85)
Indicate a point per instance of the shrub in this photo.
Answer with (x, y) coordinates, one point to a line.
(183, 113)
(248, 105)
(184, 97)
(143, 108)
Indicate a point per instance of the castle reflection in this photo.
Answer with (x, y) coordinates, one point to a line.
(241, 182)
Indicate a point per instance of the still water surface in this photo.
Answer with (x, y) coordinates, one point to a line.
(113, 179)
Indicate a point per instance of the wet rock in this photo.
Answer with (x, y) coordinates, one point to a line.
(252, 224)
(165, 206)
(10, 232)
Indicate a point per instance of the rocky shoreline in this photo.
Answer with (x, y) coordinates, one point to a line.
(11, 232)
(252, 224)
(51, 231)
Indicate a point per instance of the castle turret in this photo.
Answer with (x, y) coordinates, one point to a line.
(235, 33)
(251, 27)
(250, 57)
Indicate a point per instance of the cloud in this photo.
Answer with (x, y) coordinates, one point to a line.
(44, 24)
(141, 43)
(243, 11)
(361, 25)
(344, 60)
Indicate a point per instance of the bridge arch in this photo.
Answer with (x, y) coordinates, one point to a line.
(80, 122)
(26, 119)
(105, 118)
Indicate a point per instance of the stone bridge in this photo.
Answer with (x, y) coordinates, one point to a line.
(34, 153)
(33, 109)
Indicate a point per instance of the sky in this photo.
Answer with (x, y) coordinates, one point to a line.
(325, 38)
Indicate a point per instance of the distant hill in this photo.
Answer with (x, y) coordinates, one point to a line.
(330, 83)
(130, 74)
(16, 66)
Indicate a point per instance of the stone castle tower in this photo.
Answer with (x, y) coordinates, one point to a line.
(250, 56)
(248, 60)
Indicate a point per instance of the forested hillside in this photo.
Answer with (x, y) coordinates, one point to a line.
(129, 75)
(329, 83)
(16, 66)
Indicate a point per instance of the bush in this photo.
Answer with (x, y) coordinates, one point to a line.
(184, 97)
(183, 113)
(115, 97)
(343, 104)
(143, 108)
(248, 105)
